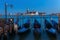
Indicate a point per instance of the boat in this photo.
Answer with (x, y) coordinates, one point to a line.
(25, 28)
(54, 24)
(37, 29)
(49, 28)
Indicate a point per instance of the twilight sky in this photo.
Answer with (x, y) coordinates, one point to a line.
(48, 6)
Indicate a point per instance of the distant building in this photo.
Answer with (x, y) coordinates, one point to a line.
(53, 14)
(34, 13)
(42, 13)
(58, 14)
(31, 13)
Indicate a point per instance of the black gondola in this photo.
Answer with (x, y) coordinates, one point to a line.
(25, 28)
(49, 28)
(55, 24)
(37, 29)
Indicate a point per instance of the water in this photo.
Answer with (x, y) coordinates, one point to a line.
(31, 36)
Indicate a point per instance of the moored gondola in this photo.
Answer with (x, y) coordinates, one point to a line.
(54, 24)
(25, 28)
(49, 28)
(37, 29)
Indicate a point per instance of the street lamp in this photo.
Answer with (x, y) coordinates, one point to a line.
(6, 6)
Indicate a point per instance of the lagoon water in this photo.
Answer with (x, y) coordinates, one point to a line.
(30, 35)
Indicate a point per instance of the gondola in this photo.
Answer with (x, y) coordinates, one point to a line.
(54, 24)
(49, 28)
(37, 29)
(25, 28)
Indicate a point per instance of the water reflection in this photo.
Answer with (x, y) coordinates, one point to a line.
(52, 37)
(23, 36)
(30, 36)
(37, 36)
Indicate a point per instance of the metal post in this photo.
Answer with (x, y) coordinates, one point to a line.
(6, 12)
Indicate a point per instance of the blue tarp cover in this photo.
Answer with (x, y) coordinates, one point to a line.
(52, 30)
(23, 30)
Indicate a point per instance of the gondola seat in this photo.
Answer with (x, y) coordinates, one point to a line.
(51, 30)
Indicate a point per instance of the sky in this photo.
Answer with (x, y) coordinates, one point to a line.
(47, 6)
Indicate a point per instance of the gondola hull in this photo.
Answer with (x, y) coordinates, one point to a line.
(51, 32)
(37, 28)
(23, 30)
